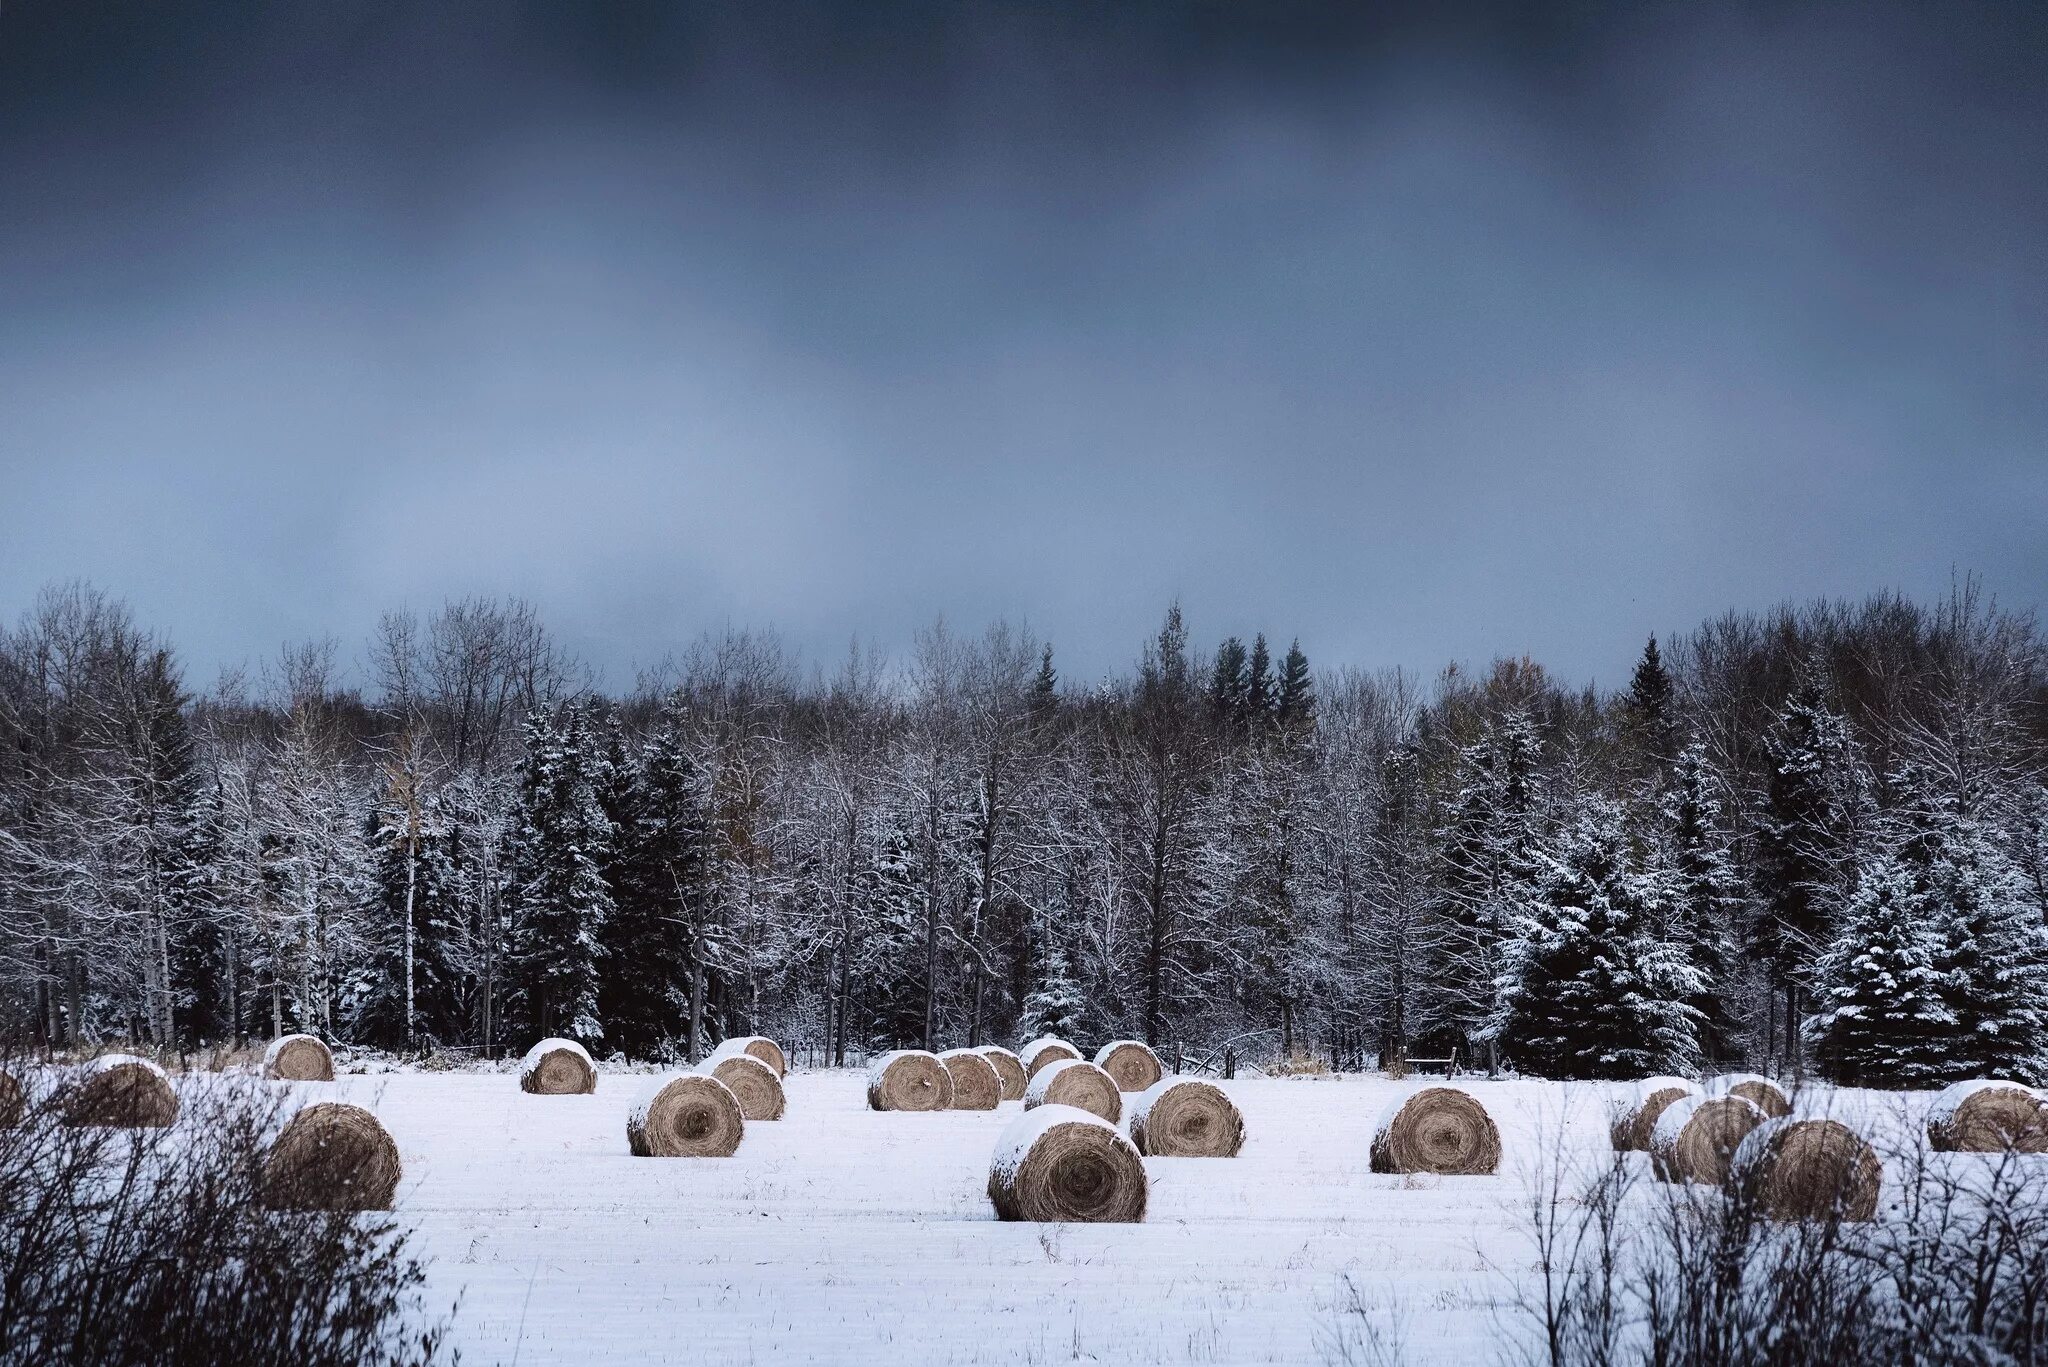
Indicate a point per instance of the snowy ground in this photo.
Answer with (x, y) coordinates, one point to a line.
(843, 1235)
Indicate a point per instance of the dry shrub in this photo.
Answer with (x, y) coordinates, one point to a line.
(1059, 1164)
(685, 1115)
(1131, 1062)
(1697, 1136)
(1631, 1130)
(976, 1087)
(1181, 1117)
(119, 1090)
(1988, 1117)
(298, 1058)
(1009, 1071)
(331, 1156)
(557, 1067)
(909, 1080)
(1078, 1083)
(1438, 1129)
(753, 1082)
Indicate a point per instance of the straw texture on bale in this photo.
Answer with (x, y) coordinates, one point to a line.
(756, 1046)
(13, 1100)
(1630, 1132)
(752, 1082)
(1440, 1130)
(1043, 1051)
(1988, 1117)
(298, 1058)
(685, 1115)
(1009, 1071)
(331, 1156)
(1131, 1062)
(119, 1089)
(975, 1084)
(1768, 1095)
(909, 1080)
(1809, 1170)
(1182, 1117)
(1078, 1083)
(1057, 1164)
(1697, 1136)
(557, 1067)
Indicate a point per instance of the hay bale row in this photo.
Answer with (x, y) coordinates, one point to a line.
(975, 1084)
(1988, 1116)
(1630, 1132)
(1078, 1083)
(1808, 1170)
(1437, 1129)
(1768, 1095)
(909, 1080)
(1043, 1052)
(557, 1067)
(685, 1115)
(756, 1046)
(1009, 1071)
(1180, 1117)
(753, 1083)
(121, 1090)
(1696, 1137)
(1060, 1164)
(298, 1058)
(1131, 1062)
(331, 1156)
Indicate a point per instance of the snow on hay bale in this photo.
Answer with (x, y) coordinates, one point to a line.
(1059, 1164)
(1131, 1062)
(1988, 1116)
(1437, 1129)
(119, 1089)
(1009, 1070)
(751, 1080)
(557, 1067)
(1182, 1117)
(1042, 1051)
(331, 1156)
(1078, 1083)
(298, 1058)
(1808, 1170)
(685, 1115)
(976, 1087)
(757, 1046)
(1696, 1138)
(13, 1099)
(1765, 1093)
(1633, 1124)
(909, 1080)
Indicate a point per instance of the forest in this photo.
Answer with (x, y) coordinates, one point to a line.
(1808, 839)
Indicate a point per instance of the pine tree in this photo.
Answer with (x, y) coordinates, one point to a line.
(1055, 1005)
(560, 899)
(1649, 708)
(1588, 990)
(1706, 898)
(1228, 682)
(1258, 684)
(1045, 687)
(412, 892)
(888, 958)
(1882, 1020)
(1296, 705)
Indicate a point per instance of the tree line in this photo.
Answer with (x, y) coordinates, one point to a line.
(1810, 838)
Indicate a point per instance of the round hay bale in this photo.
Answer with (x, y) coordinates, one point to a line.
(119, 1089)
(1182, 1117)
(1059, 1164)
(1768, 1095)
(331, 1156)
(1697, 1136)
(1437, 1129)
(557, 1067)
(1988, 1116)
(975, 1084)
(753, 1084)
(1131, 1062)
(1630, 1132)
(298, 1058)
(13, 1099)
(909, 1080)
(685, 1115)
(1042, 1051)
(1809, 1170)
(1009, 1070)
(1078, 1083)
(758, 1046)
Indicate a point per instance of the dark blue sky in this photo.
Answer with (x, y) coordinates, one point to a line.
(1424, 337)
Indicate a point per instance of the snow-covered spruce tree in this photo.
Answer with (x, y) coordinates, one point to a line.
(1648, 708)
(1295, 704)
(1882, 1020)
(1706, 898)
(888, 958)
(403, 992)
(1055, 1005)
(560, 899)
(1588, 990)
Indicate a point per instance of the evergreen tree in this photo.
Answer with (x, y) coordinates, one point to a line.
(1589, 991)
(1055, 1005)
(1882, 1020)
(1258, 683)
(1228, 682)
(887, 961)
(1706, 898)
(1296, 705)
(1045, 687)
(1649, 708)
(412, 892)
(560, 898)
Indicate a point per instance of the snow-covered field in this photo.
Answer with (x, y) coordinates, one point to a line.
(843, 1235)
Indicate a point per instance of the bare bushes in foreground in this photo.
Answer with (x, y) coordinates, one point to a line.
(154, 1246)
